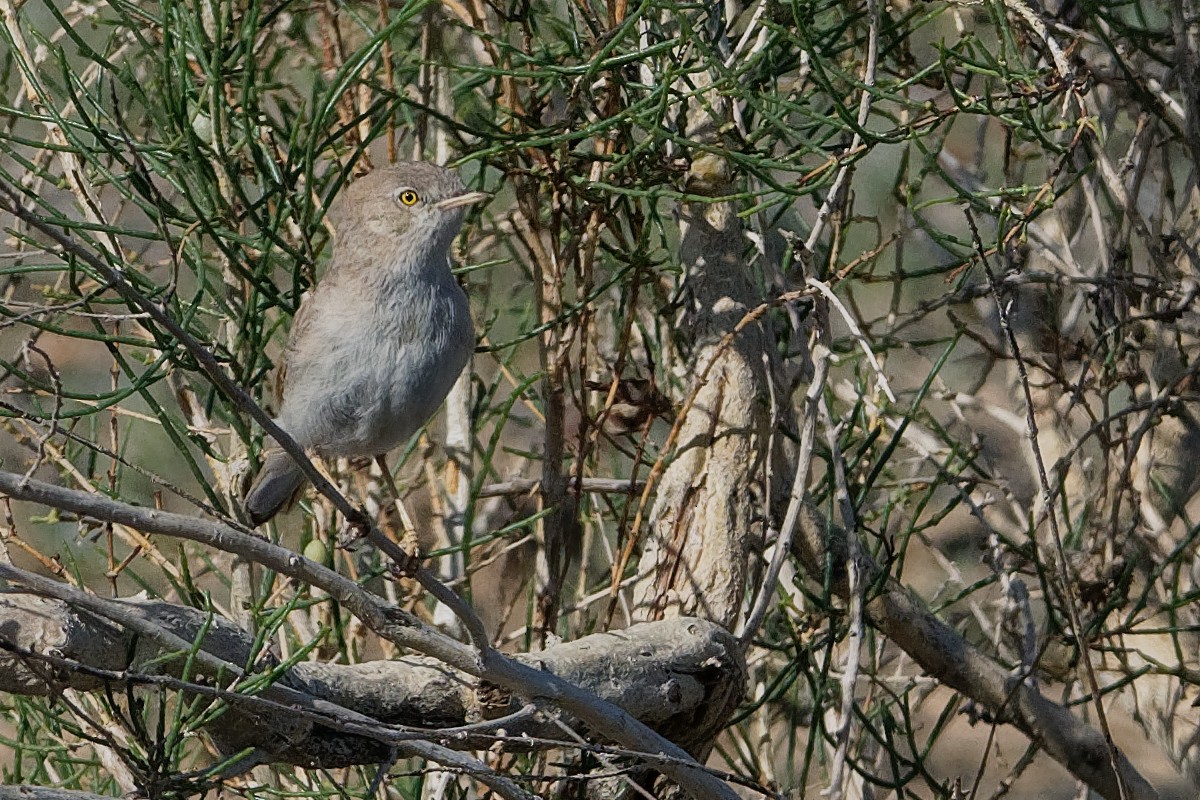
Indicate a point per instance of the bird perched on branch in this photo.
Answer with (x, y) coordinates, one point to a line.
(376, 346)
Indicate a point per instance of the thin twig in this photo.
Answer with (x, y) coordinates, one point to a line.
(783, 542)
(1066, 585)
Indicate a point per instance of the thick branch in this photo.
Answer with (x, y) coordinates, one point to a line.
(672, 675)
(705, 520)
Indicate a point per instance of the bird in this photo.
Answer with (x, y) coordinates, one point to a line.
(376, 346)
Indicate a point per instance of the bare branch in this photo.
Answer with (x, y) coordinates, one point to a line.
(949, 658)
(521, 679)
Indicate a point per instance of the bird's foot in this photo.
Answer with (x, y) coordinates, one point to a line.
(408, 560)
(357, 528)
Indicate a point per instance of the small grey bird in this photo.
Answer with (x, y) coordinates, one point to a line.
(376, 346)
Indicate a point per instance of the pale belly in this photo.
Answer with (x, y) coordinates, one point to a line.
(379, 380)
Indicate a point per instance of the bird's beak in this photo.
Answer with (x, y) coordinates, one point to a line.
(470, 198)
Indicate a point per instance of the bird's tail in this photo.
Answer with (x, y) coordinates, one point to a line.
(275, 486)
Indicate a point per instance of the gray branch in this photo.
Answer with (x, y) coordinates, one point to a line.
(605, 720)
(945, 655)
(671, 675)
(27, 792)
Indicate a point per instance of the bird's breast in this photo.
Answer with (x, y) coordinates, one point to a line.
(371, 368)
(425, 342)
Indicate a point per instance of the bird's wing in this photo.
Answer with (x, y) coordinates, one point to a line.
(301, 323)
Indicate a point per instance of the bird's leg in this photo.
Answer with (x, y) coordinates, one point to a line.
(357, 526)
(357, 529)
(408, 540)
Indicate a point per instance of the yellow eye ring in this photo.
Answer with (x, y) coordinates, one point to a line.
(408, 197)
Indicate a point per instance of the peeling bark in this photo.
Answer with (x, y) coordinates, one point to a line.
(708, 515)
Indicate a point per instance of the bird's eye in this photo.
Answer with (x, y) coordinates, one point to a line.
(407, 197)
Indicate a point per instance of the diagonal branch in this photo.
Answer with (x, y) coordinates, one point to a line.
(948, 657)
(398, 627)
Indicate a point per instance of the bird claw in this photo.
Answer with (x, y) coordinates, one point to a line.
(355, 531)
(410, 549)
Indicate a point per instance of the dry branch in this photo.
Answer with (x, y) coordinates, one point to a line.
(945, 655)
(604, 719)
(672, 675)
(25, 792)
(706, 517)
